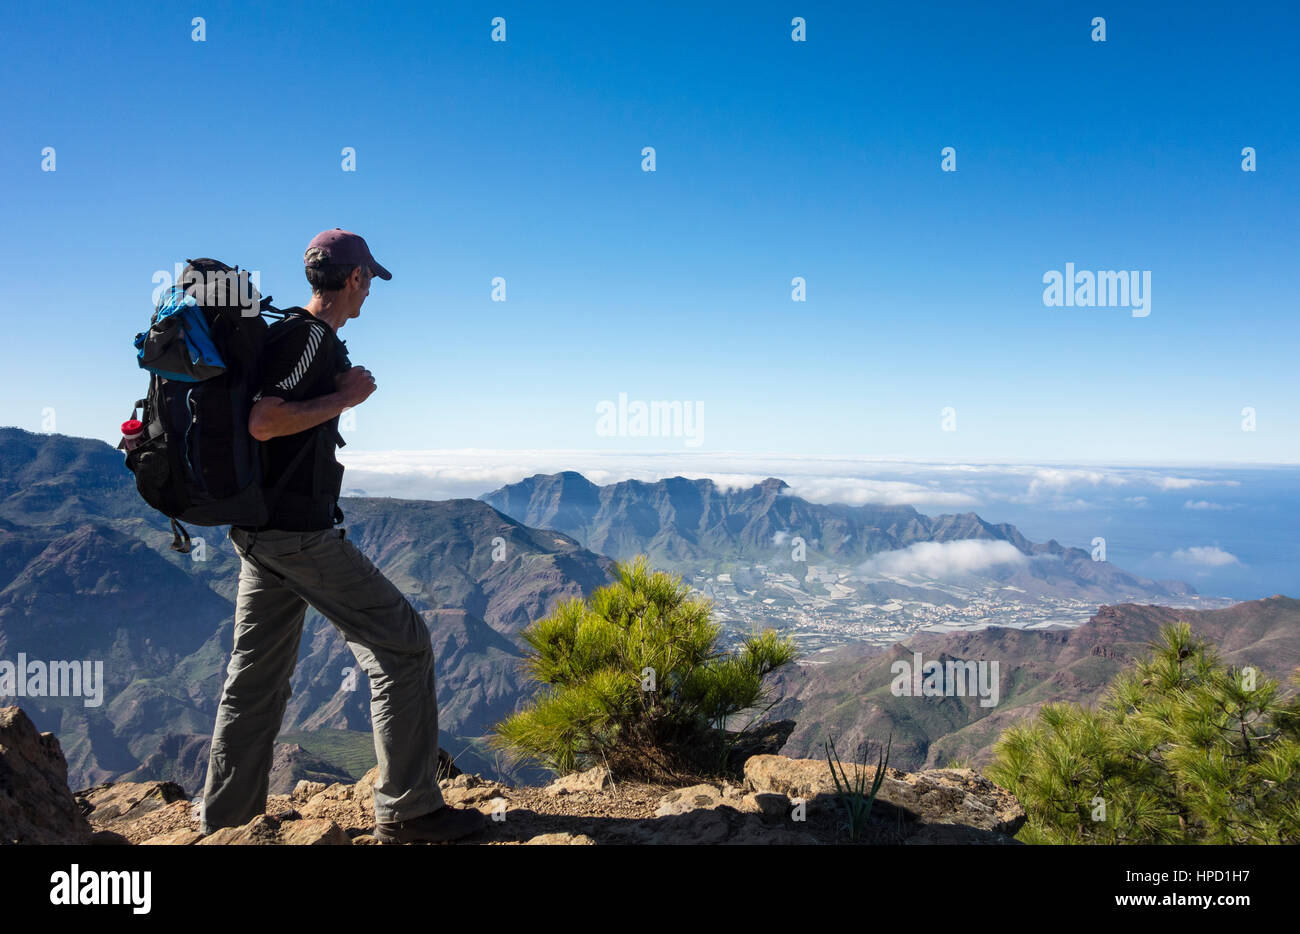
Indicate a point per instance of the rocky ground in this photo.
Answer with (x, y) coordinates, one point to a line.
(778, 801)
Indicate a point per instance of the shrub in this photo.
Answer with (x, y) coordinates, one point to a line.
(1182, 749)
(853, 795)
(634, 678)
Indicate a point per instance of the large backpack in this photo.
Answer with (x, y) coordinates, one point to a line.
(195, 461)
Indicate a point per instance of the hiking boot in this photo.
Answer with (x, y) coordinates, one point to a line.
(446, 823)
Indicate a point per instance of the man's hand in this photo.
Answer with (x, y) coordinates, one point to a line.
(273, 417)
(354, 385)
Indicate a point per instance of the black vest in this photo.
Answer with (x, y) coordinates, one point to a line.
(309, 500)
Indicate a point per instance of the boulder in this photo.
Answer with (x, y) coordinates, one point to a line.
(686, 800)
(114, 805)
(305, 790)
(36, 806)
(471, 790)
(959, 797)
(313, 833)
(265, 830)
(949, 797)
(261, 830)
(689, 827)
(594, 779)
(560, 839)
(339, 791)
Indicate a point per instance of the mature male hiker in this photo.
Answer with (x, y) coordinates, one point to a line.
(298, 558)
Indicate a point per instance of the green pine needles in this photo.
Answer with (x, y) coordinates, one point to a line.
(634, 679)
(1182, 749)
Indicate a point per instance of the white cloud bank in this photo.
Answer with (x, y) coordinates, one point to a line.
(1205, 556)
(931, 487)
(940, 560)
(471, 473)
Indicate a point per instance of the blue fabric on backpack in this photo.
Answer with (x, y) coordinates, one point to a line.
(192, 328)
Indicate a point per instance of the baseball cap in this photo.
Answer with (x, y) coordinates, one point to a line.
(345, 248)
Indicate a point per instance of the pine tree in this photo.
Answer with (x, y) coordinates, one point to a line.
(634, 678)
(1182, 749)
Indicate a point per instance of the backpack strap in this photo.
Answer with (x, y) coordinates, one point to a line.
(155, 426)
(273, 496)
(179, 533)
(181, 538)
(298, 458)
(290, 317)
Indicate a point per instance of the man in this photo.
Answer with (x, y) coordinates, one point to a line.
(298, 558)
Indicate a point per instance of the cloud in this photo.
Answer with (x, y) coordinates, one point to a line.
(1203, 504)
(945, 559)
(1054, 480)
(1186, 483)
(1047, 482)
(929, 486)
(449, 474)
(1205, 555)
(858, 491)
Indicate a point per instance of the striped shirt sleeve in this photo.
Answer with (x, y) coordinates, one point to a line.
(293, 362)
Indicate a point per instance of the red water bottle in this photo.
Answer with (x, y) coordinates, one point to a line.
(132, 433)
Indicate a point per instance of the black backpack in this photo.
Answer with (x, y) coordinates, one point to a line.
(195, 460)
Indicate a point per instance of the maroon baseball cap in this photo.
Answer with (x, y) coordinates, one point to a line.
(345, 248)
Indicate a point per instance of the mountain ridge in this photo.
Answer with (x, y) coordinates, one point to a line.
(683, 524)
(85, 562)
(75, 540)
(1073, 664)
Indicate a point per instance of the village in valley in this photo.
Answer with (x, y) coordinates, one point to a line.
(834, 606)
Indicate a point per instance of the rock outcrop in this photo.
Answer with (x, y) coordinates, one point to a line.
(780, 801)
(288, 830)
(935, 806)
(119, 809)
(35, 803)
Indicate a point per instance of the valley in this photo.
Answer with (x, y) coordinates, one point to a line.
(831, 607)
(86, 574)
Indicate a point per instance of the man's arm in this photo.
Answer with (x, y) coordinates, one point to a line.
(273, 418)
(298, 354)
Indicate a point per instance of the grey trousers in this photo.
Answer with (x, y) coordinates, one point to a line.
(280, 575)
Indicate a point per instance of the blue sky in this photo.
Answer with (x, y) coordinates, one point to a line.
(775, 159)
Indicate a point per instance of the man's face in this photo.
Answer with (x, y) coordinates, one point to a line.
(358, 288)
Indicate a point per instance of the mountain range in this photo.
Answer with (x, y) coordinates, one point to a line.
(692, 525)
(849, 695)
(86, 572)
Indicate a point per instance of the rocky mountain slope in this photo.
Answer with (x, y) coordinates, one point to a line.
(85, 564)
(779, 801)
(847, 696)
(689, 524)
(85, 568)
